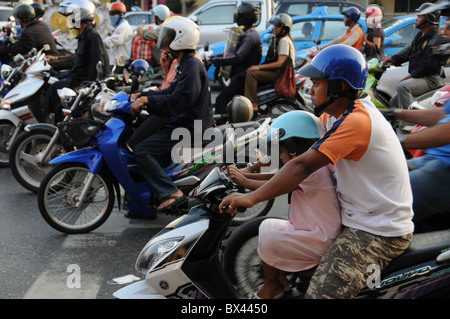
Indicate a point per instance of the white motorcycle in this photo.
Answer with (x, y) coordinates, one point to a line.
(22, 103)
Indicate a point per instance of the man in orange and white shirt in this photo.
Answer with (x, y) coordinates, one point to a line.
(354, 36)
(371, 174)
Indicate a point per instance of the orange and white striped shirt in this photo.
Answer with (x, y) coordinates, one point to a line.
(370, 168)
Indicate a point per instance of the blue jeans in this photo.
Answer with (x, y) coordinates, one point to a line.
(152, 154)
(430, 183)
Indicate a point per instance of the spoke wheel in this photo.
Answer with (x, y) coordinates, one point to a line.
(27, 152)
(59, 196)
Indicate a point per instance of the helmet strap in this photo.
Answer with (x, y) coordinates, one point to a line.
(335, 91)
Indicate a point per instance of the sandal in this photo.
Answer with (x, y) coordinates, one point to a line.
(179, 200)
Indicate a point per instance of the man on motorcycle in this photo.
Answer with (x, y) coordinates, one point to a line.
(354, 36)
(160, 14)
(35, 34)
(90, 50)
(430, 174)
(248, 53)
(186, 99)
(375, 198)
(424, 66)
(120, 41)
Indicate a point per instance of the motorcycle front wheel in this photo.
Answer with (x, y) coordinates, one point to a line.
(241, 260)
(6, 131)
(25, 154)
(59, 195)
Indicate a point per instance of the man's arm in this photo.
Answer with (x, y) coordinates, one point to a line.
(429, 137)
(284, 181)
(426, 117)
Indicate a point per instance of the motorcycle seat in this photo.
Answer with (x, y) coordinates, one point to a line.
(423, 247)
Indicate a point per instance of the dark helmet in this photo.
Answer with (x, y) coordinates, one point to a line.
(24, 13)
(39, 9)
(352, 13)
(431, 17)
(139, 67)
(246, 14)
(240, 109)
(443, 6)
(283, 21)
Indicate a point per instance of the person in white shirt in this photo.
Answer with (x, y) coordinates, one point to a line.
(119, 43)
(372, 179)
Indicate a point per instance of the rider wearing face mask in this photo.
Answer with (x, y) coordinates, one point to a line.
(424, 66)
(120, 41)
(90, 50)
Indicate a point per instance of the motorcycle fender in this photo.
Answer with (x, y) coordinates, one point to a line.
(9, 116)
(138, 290)
(89, 156)
(22, 91)
(41, 126)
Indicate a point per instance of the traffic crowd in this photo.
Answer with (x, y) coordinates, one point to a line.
(371, 197)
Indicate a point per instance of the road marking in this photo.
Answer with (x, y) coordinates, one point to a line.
(50, 285)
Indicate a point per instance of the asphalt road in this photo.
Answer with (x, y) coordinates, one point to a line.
(38, 262)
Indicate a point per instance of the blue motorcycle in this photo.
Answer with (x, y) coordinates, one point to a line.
(78, 194)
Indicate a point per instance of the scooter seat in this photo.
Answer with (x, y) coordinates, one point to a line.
(423, 247)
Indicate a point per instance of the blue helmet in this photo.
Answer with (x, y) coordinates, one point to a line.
(139, 67)
(339, 62)
(298, 130)
(352, 13)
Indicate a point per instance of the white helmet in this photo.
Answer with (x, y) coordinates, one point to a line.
(82, 10)
(179, 33)
(161, 11)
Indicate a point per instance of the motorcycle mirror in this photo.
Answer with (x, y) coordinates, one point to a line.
(126, 76)
(100, 71)
(206, 47)
(120, 61)
(228, 153)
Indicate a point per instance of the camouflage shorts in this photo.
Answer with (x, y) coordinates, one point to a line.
(342, 272)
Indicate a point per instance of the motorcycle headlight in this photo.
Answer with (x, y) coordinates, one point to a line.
(5, 104)
(5, 71)
(153, 253)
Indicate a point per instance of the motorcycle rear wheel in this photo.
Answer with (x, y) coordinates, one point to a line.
(59, 193)
(23, 154)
